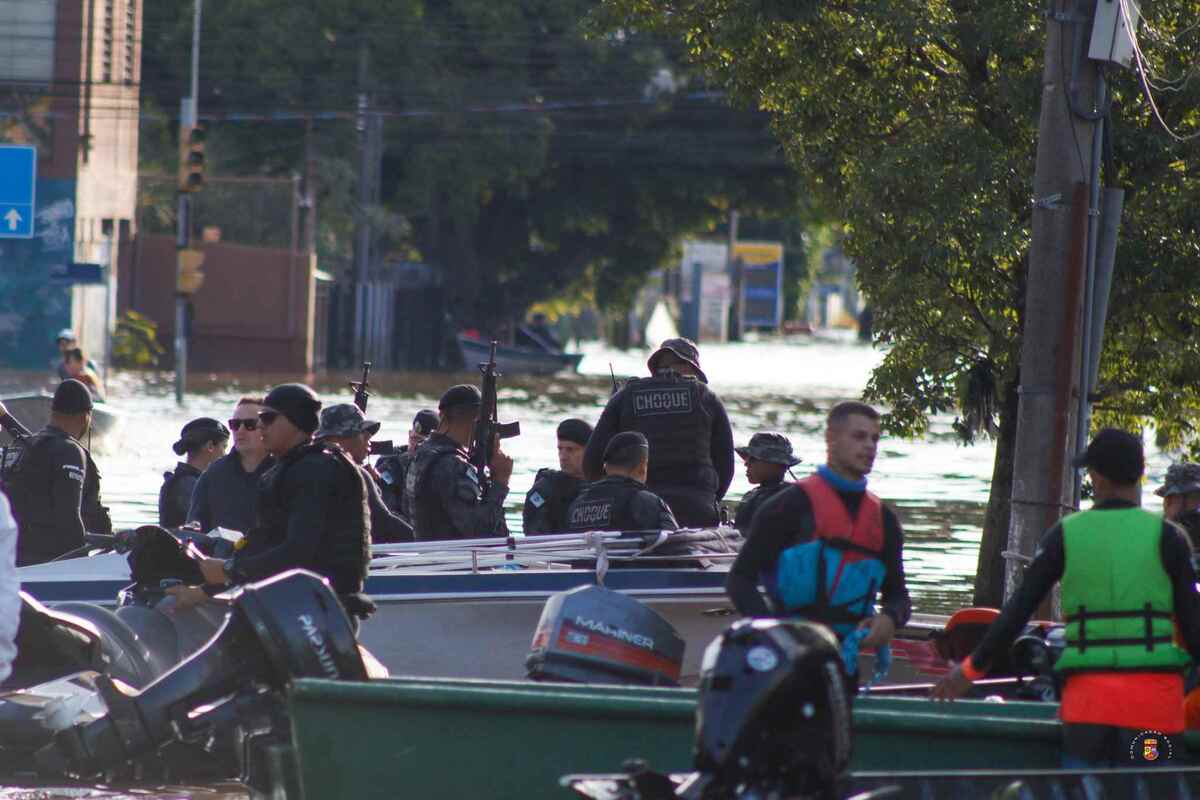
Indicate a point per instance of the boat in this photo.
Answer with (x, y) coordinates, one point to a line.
(469, 609)
(513, 360)
(32, 409)
(460, 738)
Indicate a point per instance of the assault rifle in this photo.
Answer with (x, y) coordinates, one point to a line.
(488, 428)
(361, 391)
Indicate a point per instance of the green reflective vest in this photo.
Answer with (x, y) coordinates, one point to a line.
(1116, 595)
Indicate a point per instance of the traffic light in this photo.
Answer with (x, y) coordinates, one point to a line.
(189, 277)
(191, 159)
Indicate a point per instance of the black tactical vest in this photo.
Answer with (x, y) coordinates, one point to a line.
(667, 410)
(604, 506)
(429, 519)
(26, 478)
(547, 502)
(344, 551)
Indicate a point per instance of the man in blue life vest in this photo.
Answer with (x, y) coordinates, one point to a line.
(1128, 586)
(825, 548)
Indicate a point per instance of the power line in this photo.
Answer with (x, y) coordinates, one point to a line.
(1139, 61)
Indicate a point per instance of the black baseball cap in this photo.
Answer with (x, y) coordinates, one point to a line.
(463, 394)
(71, 397)
(620, 446)
(574, 430)
(198, 431)
(425, 422)
(1115, 454)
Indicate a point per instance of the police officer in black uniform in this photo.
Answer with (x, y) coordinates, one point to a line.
(443, 489)
(620, 500)
(393, 469)
(312, 506)
(344, 425)
(554, 489)
(691, 443)
(202, 441)
(767, 459)
(54, 487)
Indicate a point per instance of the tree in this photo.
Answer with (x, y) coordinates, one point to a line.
(523, 155)
(915, 123)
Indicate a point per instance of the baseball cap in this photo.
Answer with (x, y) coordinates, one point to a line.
(1115, 454)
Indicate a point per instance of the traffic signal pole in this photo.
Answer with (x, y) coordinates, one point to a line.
(188, 117)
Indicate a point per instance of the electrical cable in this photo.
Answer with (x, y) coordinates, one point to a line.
(1141, 71)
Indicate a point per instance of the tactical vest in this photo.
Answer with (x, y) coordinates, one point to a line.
(344, 551)
(834, 577)
(29, 493)
(393, 475)
(429, 519)
(668, 411)
(552, 493)
(604, 506)
(1116, 595)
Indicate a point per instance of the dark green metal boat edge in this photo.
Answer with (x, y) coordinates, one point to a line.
(425, 737)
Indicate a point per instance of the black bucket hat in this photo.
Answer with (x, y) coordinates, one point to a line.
(684, 349)
(774, 448)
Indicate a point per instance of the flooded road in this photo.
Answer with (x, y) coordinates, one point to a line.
(938, 486)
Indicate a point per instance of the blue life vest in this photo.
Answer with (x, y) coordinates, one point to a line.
(834, 577)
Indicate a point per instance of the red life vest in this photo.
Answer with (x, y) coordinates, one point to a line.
(864, 534)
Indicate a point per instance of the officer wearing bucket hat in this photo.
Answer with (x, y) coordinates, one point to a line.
(1131, 607)
(393, 469)
(1181, 498)
(767, 458)
(202, 441)
(691, 442)
(344, 425)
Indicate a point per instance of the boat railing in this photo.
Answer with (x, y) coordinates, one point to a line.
(560, 551)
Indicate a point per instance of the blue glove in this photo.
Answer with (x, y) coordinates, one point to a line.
(850, 648)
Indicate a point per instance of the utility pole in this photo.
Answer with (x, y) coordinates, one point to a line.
(189, 114)
(1050, 353)
(370, 142)
(734, 268)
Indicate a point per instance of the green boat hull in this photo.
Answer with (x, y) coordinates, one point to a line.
(426, 738)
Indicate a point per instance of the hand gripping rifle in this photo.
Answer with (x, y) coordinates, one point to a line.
(487, 426)
(362, 391)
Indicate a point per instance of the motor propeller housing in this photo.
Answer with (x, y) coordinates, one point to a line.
(774, 708)
(286, 627)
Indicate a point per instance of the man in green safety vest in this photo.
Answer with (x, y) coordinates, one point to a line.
(1127, 585)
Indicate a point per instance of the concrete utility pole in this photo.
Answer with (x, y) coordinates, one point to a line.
(370, 130)
(1049, 392)
(735, 270)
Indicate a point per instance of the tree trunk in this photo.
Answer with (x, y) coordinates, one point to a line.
(989, 574)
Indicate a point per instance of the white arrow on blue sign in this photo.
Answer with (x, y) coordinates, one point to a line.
(18, 181)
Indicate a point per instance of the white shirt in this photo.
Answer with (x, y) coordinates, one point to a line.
(10, 589)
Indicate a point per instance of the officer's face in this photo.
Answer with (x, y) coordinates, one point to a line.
(279, 435)
(1176, 504)
(244, 424)
(852, 444)
(570, 458)
(762, 471)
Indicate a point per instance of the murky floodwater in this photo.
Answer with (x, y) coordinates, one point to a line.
(938, 486)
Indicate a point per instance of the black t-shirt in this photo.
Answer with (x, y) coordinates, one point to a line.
(786, 520)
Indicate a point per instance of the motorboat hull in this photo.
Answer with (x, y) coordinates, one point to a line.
(32, 409)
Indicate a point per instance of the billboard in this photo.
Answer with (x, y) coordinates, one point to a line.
(762, 283)
(705, 291)
(27, 40)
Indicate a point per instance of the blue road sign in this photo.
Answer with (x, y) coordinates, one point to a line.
(18, 179)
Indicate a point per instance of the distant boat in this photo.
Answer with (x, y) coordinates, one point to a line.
(32, 409)
(517, 360)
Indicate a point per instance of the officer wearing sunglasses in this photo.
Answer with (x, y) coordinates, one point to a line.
(226, 493)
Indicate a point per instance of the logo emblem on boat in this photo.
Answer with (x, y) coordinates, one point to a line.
(762, 659)
(1151, 746)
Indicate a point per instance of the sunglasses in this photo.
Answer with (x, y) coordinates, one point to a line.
(248, 424)
(267, 417)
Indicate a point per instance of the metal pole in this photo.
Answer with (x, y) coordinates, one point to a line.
(735, 273)
(188, 115)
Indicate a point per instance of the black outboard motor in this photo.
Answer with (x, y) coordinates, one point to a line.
(289, 626)
(774, 710)
(595, 635)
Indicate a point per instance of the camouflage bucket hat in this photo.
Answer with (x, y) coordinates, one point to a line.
(1181, 479)
(684, 349)
(344, 419)
(774, 448)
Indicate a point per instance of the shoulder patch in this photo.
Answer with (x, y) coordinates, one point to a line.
(536, 499)
(73, 472)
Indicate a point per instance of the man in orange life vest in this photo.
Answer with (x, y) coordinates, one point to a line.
(829, 519)
(1127, 585)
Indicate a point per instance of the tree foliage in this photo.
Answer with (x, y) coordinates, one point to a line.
(521, 155)
(915, 122)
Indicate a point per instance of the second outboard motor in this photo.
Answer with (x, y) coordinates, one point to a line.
(286, 627)
(774, 710)
(595, 635)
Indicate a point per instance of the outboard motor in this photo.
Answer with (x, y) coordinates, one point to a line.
(774, 709)
(286, 627)
(1035, 654)
(595, 635)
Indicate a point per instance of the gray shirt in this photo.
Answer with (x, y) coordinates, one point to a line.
(225, 495)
